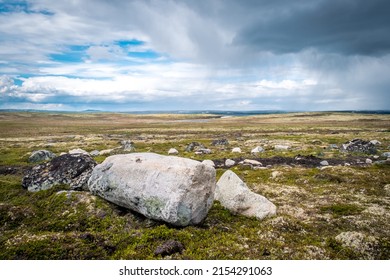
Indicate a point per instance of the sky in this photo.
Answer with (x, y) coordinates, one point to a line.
(114, 55)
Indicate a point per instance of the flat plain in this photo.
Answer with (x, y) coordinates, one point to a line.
(338, 211)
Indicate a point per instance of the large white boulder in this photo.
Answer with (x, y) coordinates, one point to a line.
(176, 190)
(234, 195)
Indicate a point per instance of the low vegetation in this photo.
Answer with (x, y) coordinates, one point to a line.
(331, 212)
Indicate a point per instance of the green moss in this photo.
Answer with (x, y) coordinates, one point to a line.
(342, 209)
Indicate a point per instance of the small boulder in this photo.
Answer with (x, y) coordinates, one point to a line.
(41, 155)
(234, 195)
(220, 142)
(324, 163)
(236, 150)
(375, 142)
(78, 151)
(94, 153)
(173, 151)
(203, 151)
(179, 191)
(127, 146)
(257, 150)
(281, 147)
(251, 162)
(194, 146)
(106, 152)
(209, 162)
(368, 161)
(71, 169)
(386, 154)
(229, 162)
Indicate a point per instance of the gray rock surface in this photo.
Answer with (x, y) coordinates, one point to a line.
(71, 169)
(234, 195)
(193, 146)
(41, 155)
(94, 153)
(359, 145)
(78, 151)
(208, 162)
(128, 146)
(220, 142)
(173, 151)
(229, 162)
(176, 190)
(257, 150)
(281, 147)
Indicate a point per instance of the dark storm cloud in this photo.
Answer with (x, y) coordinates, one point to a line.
(349, 27)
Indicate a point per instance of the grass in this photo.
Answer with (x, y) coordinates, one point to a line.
(314, 205)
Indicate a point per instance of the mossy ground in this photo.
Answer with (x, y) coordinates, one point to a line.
(314, 205)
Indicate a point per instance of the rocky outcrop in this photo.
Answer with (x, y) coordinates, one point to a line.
(194, 146)
(71, 169)
(127, 146)
(359, 146)
(41, 155)
(176, 190)
(234, 195)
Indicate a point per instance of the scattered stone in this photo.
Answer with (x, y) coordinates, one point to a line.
(376, 157)
(71, 169)
(229, 163)
(316, 142)
(375, 142)
(78, 151)
(333, 146)
(173, 151)
(179, 191)
(169, 247)
(194, 146)
(203, 151)
(386, 154)
(236, 150)
(358, 242)
(368, 161)
(220, 142)
(281, 147)
(234, 195)
(257, 150)
(208, 162)
(106, 152)
(94, 153)
(127, 146)
(62, 153)
(251, 162)
(324, 163)
(359, 145)
(41, 155)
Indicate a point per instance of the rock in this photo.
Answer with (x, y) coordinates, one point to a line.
(173, 151)
(375, 142)
(229, 163)
(251, 162)
(220, 142)
(175, 190)
(386, 154)
(62, 153)
(359, 145)
(106, 152)
(202, 151)
(169, 247)
(78, 151)
(41, 155)
(358, 242)
(94, 153)
(236, 150)
(127, 146)
(234, 195)
(71, 169)
(257, 150)
(333, 146)
(324, 163)
(194, 146)
(368, 161)
(281, 147)
(209, 162)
